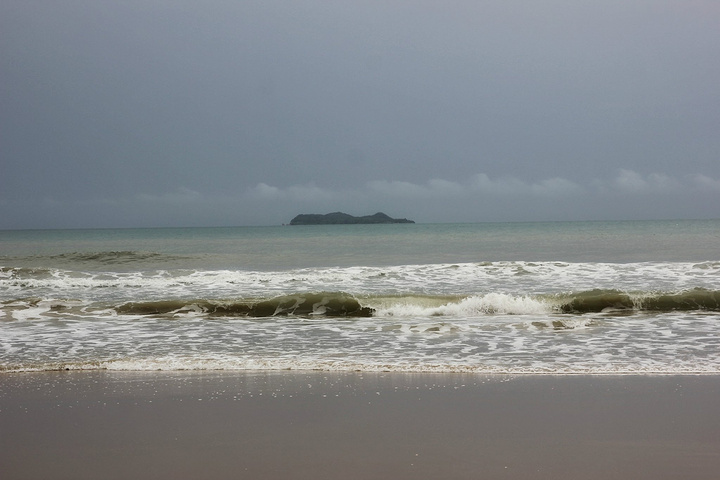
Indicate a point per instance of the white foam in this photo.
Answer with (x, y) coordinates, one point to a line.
(476, 305)
(491, 317)
(599, 366)
(499, 343)
(514, 278)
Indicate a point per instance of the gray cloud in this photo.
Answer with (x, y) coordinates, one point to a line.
(633, 182)
(627, 195)
(626, 181)
(119, 113)
(705, 183)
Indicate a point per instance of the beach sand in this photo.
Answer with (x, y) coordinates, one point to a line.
(310, 425)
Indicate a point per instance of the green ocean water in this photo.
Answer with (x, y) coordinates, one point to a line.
(287, 247)
(568, 297)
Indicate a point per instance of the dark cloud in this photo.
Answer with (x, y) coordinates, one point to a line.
(222, 112)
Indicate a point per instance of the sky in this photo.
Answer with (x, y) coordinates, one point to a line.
(154, 113)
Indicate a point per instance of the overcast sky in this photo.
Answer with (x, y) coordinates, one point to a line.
(238, 112)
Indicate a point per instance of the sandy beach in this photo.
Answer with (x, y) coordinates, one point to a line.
(309, 425)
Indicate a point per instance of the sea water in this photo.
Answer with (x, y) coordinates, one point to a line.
(569, 297)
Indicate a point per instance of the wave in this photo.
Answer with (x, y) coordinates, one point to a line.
(343, 304)
(19, 273)
(474, 305)
(328, 304)
(592, 301)
(121, 258)
(604, 300)
(109, 258)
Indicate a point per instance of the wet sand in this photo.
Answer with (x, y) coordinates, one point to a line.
(310, 425)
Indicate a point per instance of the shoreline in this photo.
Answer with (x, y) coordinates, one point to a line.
(357, 425)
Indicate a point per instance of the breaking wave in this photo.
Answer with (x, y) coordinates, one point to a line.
(603, 300)
(592, 301)
(326, 304)
(343, 304)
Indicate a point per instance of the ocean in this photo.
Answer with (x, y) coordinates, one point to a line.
(511, 298)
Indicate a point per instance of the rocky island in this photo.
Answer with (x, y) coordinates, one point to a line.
(340, 218)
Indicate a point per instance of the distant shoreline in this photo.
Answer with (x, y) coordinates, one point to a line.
(340, 218)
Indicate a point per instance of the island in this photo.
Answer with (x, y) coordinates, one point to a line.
(340, 218)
